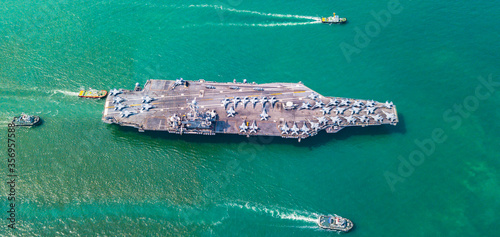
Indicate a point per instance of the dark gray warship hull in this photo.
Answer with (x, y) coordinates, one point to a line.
(288, 110)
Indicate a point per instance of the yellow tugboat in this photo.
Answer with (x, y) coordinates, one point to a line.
(95, 94)
(333, 19)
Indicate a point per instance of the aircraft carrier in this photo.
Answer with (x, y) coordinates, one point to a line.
(288, 110)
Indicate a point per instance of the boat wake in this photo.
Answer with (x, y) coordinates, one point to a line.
(70, 93)
(278, 212)
(312, 19)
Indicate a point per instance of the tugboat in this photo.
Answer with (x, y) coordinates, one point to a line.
(95, 94)
(26, 120)
(333, 19)
(335, 223)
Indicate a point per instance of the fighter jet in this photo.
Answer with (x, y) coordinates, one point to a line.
(254, 101)
(314, 126)
(313, 96)
(370, 103)
(388, 104)
(326, 110)
(345, 102)
(294, 130)
(390, 116)
(336, 120)
(225, 102)
(264, 115)
(231, 112)
(364, 119)
(377, 118)
(119, 107)
(213, 114)
(318, 104)
(355, 110)
(304, 129)
(340, 110)
(358, 103)
(147, 99)
(245, 101)
(350, 119)
(284, 129)
(146, 107)
(263, 100)
(117, 100)
(243, 127)
(114, 91)
(333, 102)
(322, 120)
(126, 113)
(305, 105)
(236, 100)
(253, 127)
(179, 81)
(273, 100)
(370, 110)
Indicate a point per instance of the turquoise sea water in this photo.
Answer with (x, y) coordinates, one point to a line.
(79, 176)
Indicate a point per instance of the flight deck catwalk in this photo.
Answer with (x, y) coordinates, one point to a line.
(288, 110)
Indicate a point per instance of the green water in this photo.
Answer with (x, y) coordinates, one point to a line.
(79, 176)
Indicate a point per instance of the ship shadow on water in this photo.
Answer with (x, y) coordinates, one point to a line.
(315, 141)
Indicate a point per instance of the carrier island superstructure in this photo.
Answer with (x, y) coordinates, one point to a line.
(288, 110)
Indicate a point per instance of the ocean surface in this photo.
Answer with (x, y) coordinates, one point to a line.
(434, 174)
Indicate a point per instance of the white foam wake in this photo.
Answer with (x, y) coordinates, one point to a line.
(282, 213)
(218, 7)
(70, 93)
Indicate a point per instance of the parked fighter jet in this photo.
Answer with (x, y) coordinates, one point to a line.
(345, 102)
(318, 104)
(284, 128)
(326, 110)
(305, 105)
(114, 91)
(126, 113)
(388, 104)
(254, 101)
(364, 119)
(243, 127)
(231, 112)
(273, 100)
(336, 120)
(358, 103)
(313, 96)
(334, 102)
(225, 102)
(371, 103)
(146, 107)
(322, 120)
(253, 127)
(294, 130)
(370, 110)
(314, 126)
(117, 100)
(340, 110)
(350, 119)
(304, 129)
(390, 116)
(264, 115)
(263, 100)
(119, 107)
(245, 101)
(236, 100)
(147, 99)
(377, 118)
(355, 110)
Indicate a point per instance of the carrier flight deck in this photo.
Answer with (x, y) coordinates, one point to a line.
(288, 110)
